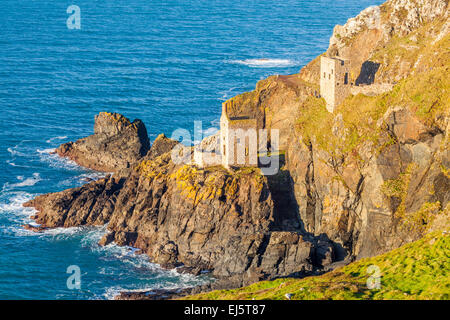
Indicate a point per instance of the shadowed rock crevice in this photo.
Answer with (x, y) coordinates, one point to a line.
(367, 74)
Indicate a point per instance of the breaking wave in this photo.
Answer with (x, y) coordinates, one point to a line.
(23, 182)
(266, 63)
(56, 138)
(12, 209)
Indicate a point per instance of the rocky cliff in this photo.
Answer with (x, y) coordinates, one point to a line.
(361, 181)
(374, 174)
(197, 220)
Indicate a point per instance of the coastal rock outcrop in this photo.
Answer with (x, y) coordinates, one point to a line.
(161, 145)
(117, 143)
(199, 220)
(90, 204)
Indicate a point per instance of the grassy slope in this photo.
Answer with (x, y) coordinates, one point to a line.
(419, 270)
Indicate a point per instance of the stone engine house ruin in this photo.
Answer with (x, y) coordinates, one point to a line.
(238, 139)
(335, 83)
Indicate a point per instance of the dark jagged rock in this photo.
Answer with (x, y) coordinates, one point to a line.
(90, 204)
(161, 145)
(116, 143)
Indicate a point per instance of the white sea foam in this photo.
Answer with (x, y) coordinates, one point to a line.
(64, 233)
(28, 182)
(55, 161)
(56, 138)
(14, 203)
(266, 63)
(169, 280)
(11, 206)
(13, 164)
(14, 151)
(46, 151)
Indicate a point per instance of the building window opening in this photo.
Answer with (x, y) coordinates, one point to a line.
(346, 78)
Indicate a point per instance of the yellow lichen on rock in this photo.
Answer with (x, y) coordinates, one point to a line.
(214, 182)
(116, 117)
(154, 169)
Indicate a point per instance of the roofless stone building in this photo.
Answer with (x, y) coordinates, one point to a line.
(335, 83)
(239, 139)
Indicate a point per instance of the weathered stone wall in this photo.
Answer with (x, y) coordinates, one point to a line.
(239, 139)
(208, 153)
(371, 90)
(242, 143)
(334, 81)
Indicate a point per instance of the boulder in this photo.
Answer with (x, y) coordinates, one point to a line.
(161, 145)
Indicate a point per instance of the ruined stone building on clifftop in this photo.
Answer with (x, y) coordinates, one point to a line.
(239, 141)
(335, 83)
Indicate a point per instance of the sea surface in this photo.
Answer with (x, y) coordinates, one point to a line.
(167, 63)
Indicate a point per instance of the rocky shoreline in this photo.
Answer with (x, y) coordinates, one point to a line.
(325, 208)
(210, 220)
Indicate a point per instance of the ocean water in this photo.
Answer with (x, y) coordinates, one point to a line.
(167, 63)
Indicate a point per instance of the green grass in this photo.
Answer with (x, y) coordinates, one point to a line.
(419, 270)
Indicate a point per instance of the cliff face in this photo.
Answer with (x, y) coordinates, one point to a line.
(376, 27)
(374, 175)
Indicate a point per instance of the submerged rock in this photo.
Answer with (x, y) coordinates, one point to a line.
(34, 228)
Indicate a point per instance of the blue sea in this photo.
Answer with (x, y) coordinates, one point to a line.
(167, 63)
